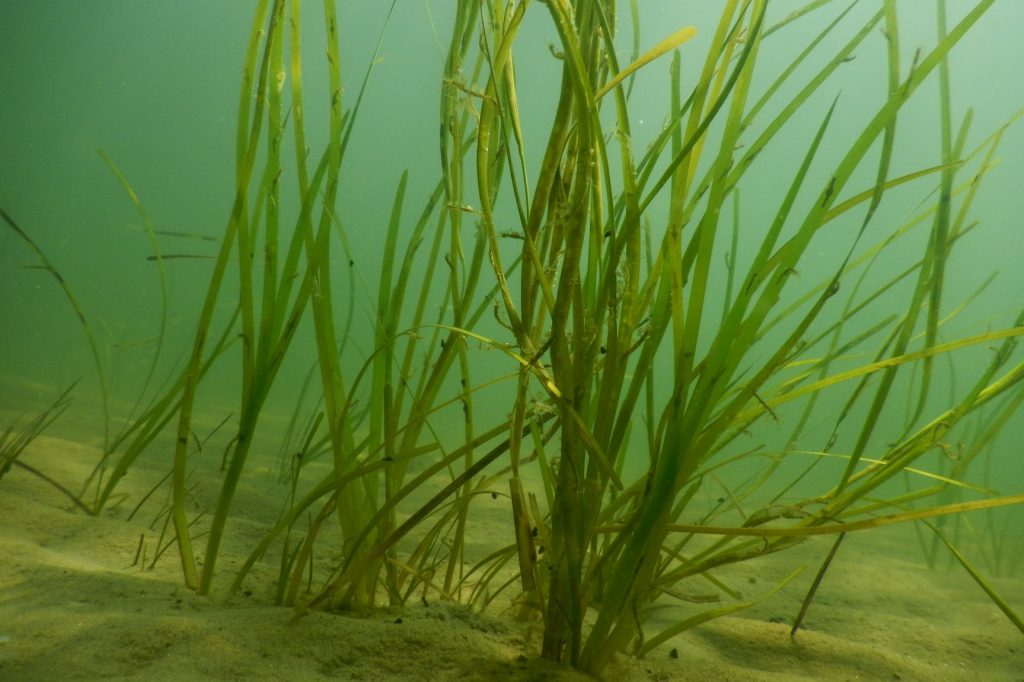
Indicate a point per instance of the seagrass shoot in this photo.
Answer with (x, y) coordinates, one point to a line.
(663, 303)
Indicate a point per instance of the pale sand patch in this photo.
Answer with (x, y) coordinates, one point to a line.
(72, 606)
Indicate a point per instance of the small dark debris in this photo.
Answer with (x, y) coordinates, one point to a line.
(674, 653)
(398, 621)
(247, 593)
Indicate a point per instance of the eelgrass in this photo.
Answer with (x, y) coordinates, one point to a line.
(17, 436)
(603, 300)
(584, 296)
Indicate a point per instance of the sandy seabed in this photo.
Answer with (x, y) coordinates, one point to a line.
(73, 607)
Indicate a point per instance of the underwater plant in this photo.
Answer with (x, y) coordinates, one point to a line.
(639, 318)
(17, 436)
(620, 310)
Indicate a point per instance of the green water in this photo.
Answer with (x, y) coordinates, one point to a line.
(155, 85)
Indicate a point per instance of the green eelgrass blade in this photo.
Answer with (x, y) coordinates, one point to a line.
(14, 440)
(797, 14)
(670, 43)
(353, 114)
(263, 376)
(645, 646)
(1004, 334)
(154, 242)
(356, 564)
(884, 118)
(1000, 603)
(804, 529)
(246, 152)
(155, 418)
(90, 338)
(815, 584)
(881, 121)
(697, 133)
(797, 102)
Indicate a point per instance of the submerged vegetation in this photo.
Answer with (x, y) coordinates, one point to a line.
(640, 324)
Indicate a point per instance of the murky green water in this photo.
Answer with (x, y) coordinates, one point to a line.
(155, 86)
